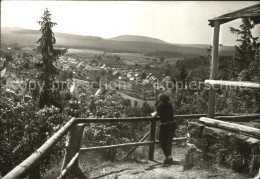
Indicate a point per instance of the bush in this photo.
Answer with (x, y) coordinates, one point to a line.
(24, 128)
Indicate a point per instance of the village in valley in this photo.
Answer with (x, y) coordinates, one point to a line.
(90, 72)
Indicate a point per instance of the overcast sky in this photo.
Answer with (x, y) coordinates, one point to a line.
(174, 22)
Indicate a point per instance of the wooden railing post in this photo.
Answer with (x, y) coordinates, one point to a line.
(73, 142)
(152, 138)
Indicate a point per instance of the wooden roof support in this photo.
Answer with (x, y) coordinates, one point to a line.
(252, 12)
(214, 69)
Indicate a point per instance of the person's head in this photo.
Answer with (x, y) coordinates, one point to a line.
(164, 98)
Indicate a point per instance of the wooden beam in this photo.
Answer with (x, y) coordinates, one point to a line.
(104, 120)
(251, 11)
(240, 84)
(128, 145)
(28, 164)
(66, 169)
(254, 132)
(132, 150)
(214, 68)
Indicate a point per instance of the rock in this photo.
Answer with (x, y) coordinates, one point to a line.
(200, 143)
(195, 129)
(192, 156)
(215, 133)
(237, 139)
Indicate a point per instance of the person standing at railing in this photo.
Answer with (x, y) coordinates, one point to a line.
(164, 109)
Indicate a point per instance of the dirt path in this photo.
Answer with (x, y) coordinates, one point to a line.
(133, 99)
(145, 169)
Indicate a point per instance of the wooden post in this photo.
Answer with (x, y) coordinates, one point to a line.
(72, 148)
(214, 69)
(152, 138)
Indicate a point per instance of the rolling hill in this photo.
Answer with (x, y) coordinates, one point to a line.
(136, 38)
(125, 43)
(26, 37)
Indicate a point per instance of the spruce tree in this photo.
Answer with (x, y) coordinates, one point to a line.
(246, 59)
(246, 64)
(47, 70)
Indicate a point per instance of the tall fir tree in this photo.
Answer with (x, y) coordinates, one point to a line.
(246, 63)
(47, 69)
(246, 59)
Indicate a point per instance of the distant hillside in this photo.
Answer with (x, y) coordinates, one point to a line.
(136, 38)
(140, 44)
(59, 35)
(224, 50)
(11, 33)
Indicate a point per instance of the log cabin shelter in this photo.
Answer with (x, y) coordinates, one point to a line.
(251, 12)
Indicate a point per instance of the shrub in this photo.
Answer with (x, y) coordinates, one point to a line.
(24, 128)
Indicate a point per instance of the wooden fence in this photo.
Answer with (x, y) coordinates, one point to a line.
(74, 130)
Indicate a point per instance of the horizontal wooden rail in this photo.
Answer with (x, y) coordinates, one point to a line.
(233, 83)
(103, 120)
(33, 160)
(254, 132)
(139, 119)
(128, 145)
(68, 167)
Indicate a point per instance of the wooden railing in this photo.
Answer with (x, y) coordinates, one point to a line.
(32, 161)
(74, 130)
(241, 84)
